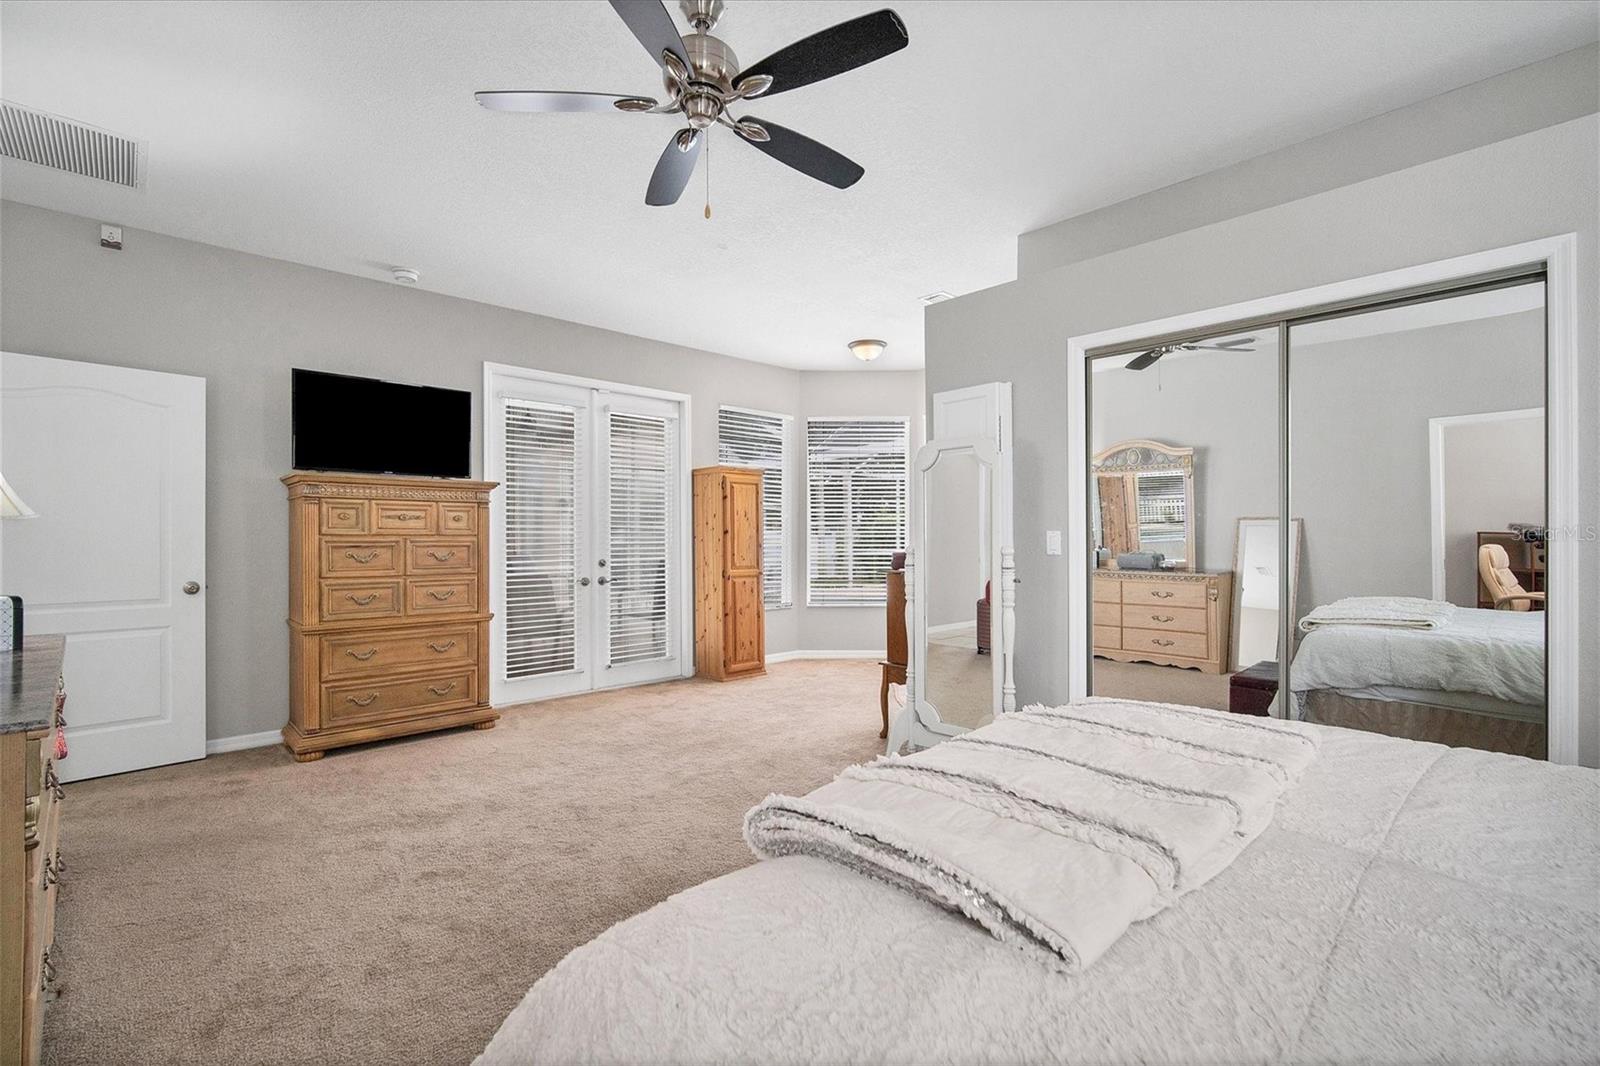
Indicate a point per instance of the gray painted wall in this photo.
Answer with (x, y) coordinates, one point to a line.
(242, 321)
(1493, 474)
(1525, 187)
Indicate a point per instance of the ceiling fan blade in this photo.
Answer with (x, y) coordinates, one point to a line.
(1214, 348)
(674, 168)
(532, 100)
(1148, 359)
(832, 51)
(805, 155)
(653, 25)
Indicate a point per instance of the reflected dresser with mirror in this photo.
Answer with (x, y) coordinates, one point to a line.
(1150, 603)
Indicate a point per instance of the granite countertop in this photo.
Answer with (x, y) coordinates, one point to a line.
(28, 681)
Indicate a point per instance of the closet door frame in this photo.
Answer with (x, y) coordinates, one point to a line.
(501, 380)
(1556, 256)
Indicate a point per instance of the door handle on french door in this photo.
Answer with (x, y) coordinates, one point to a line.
(191, 588)
(584, 582)
(602, 581)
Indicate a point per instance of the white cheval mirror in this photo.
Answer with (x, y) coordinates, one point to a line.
(960, 597)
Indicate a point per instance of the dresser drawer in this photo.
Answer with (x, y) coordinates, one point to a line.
(458, 518)
(1107, 614)
(360, 599)
(1161, 642)
(391, 516)
(344, 516)
(441, 556)
(1164, 593)
(373, 701)
(431, 648)
(1108, 638)
(350, 558)
(439, 596)
(1171, 619)
(1106, 590)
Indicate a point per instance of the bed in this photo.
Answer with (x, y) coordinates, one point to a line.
(1408, 901)
(1477, 681)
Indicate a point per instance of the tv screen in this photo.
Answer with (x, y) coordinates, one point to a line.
(380, 427)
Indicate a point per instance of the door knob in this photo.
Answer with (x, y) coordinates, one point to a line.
(584, 582)
(192, 588)
(603, 580)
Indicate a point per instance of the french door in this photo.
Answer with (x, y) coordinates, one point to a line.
(589, 532)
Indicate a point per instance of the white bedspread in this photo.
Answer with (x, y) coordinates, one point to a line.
(1409, 902)
(1057, 827)
(1401, 612)
(1494, 653)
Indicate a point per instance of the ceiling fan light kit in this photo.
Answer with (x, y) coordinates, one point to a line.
(867, 349)
(702, 78)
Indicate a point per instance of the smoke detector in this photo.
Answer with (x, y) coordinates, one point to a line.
(68, 145)
(405, 275)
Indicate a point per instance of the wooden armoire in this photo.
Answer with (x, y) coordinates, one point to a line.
(388, 608)
(729, 619)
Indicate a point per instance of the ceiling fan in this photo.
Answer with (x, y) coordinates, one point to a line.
(703, 79)
(1148, 359)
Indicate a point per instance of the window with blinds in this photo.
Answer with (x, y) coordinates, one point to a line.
(640, 465)
(857, 472)
(542, 458)
(1163, 525)
(760, 440)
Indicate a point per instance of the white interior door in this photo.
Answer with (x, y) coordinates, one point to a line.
(588, 523)
(113, 461)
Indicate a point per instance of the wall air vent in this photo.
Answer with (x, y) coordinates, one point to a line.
(63, 144)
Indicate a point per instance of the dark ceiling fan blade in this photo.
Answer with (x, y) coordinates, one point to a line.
(1148, 359)
(534, 100)
(1214, 348)
(807, 156)
(674, 168)
(832, 51)
(653, 25)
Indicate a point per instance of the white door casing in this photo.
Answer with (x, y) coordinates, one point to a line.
(590, 525)
(113, 461)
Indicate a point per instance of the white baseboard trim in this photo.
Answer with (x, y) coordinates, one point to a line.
(243, 741)
(951, 629)
(791, 656)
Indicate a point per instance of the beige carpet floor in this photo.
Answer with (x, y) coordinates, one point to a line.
(1159, 684)
(390, 904)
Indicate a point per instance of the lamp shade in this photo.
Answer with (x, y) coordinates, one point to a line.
(867, 350)
(11, 505)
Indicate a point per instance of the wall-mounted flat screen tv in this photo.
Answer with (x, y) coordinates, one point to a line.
(367, 426)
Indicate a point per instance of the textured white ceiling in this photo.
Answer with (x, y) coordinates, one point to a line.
(344, 135)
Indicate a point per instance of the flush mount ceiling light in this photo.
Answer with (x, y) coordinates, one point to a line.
(406, 276)
(867, 350)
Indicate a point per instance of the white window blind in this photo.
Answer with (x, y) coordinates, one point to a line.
(857, 473)
(641, 471)
(542, 457)
(760, 440)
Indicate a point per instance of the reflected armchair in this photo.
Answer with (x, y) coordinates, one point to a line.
(1494, 567)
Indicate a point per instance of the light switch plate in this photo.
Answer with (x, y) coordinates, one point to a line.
(111, 237)
(1052, 542)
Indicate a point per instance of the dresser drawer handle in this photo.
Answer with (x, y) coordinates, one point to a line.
(407, 516)
(1161, 618)
(442, 648)
(1160, 595)
(361, 656)
(361, 703)
(437, 691)
(362, 559)
(345, 516)
(441, 596)
(1158, 642)
(360, 601)
(51, 875)
(52, 782)
(443, 558)
(458, 518)
(47, 971)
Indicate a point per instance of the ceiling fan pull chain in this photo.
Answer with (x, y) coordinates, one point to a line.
(707, 136)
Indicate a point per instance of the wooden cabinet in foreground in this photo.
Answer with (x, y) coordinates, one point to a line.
(729, 618)
(388, 608)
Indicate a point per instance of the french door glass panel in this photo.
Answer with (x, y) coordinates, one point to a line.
(589, 511)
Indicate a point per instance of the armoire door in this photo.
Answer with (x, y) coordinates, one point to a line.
(587, 528)
(744, 637)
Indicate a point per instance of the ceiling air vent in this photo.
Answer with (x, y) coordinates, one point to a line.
(62, 144)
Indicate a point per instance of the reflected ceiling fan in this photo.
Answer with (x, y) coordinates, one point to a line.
(703, 79)
(1149, 359)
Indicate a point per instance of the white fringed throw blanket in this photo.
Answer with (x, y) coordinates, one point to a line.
(1053, 828)
(1395, 612)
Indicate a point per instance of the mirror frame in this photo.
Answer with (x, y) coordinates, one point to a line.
(1131, 458)
(919, 722)
(1296, 534)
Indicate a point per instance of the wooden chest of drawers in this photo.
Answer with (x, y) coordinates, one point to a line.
(388, 608)
(1172, 618)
